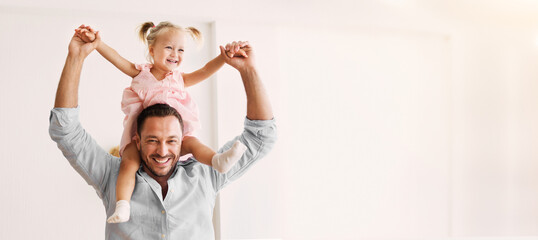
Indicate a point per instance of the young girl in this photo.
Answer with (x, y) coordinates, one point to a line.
(159, 82)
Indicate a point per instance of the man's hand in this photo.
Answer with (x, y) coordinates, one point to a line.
(86, 33)
(239, 55)
(79, 48)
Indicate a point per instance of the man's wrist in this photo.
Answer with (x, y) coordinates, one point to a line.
(248, 71)
(75, 58)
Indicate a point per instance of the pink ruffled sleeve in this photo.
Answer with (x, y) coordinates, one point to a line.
(143, 66)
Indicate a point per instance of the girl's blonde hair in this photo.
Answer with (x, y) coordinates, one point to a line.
(148, 32)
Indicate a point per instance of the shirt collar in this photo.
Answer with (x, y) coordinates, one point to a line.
(179, 164)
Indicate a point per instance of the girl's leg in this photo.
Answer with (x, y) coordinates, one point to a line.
(130, 163)
(221, 162)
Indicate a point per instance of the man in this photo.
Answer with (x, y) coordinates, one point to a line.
(171, 200)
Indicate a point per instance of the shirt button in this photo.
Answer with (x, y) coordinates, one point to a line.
(162, 211)
(172, 190)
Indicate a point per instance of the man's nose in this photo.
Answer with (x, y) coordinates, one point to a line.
(162, 150)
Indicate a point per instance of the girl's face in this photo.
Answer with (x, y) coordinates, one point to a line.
(167, 51)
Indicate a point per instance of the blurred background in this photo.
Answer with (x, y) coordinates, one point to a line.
(398, 119)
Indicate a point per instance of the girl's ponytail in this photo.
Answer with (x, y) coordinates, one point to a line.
(143, 33)
(195, 34)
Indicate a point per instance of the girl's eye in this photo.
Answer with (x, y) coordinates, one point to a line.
(168, 47)
(181, 50)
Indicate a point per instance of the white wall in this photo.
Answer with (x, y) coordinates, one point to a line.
(440, 144)
(441, 96)
(495, 113)
(364, 136)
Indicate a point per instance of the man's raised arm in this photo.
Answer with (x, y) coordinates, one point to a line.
(258, 105)
(79, 148)
(259, 133)
(67, 92)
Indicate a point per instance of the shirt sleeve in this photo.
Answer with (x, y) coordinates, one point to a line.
(91, 161)
(259, 136)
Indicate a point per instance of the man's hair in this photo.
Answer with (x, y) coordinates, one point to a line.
(157, 110)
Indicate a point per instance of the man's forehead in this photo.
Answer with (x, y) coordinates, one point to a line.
(161, 126)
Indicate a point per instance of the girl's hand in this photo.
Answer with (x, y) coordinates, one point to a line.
(239, 55)
(235, 49)
(86, 33)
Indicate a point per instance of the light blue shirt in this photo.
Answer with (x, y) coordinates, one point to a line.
(187, 210)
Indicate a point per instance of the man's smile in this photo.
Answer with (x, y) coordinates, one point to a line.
(161, 160)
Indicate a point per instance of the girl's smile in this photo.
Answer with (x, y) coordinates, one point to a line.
(167, 52)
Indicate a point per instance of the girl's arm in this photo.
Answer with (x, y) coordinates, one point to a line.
(87, 34)
(212, 66)
(203, 73)
(116, 59)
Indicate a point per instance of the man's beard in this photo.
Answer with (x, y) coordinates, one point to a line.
(171, 156)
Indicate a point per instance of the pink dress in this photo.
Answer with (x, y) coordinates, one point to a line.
(145, 91)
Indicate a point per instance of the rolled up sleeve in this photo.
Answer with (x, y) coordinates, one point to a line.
(91, 161)
(259, 136)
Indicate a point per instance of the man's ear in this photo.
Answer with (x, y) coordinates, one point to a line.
(137, 141)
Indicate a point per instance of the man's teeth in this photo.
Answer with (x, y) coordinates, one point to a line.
(162, 161)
